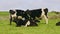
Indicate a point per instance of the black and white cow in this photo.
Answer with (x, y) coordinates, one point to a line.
(24, 19)
(58, 24)
(12, 16)
(38, 13)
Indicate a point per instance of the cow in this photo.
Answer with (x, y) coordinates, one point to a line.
(38, 13)
(58, 24)
(21, 17)
(12, 16)
(24, 19)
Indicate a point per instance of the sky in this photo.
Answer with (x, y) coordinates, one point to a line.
(6, 5)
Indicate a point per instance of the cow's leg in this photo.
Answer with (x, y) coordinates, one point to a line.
(37, 19)
(46, 18)
(28, 23)
(10, 20)
(44, 14)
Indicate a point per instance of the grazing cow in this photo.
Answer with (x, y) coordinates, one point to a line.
(38, 13)
(12, 15)
(58, 24)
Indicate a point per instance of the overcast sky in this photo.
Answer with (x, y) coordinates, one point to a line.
(30, 4)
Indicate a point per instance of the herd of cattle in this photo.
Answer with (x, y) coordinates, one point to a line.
(28, 17)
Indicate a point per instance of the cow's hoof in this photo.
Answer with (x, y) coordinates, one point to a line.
(10, 24)
(46, 23)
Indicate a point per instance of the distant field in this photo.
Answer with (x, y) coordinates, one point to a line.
(42, 28)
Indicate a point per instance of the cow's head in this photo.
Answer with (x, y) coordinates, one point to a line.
(12, 12)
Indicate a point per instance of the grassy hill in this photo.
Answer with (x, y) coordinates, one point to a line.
(42, 28)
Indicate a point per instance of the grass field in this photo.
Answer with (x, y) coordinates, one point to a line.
(42, 28)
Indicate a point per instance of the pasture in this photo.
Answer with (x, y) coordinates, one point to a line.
(42, 28)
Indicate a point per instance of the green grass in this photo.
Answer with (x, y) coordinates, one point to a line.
(42, 28)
